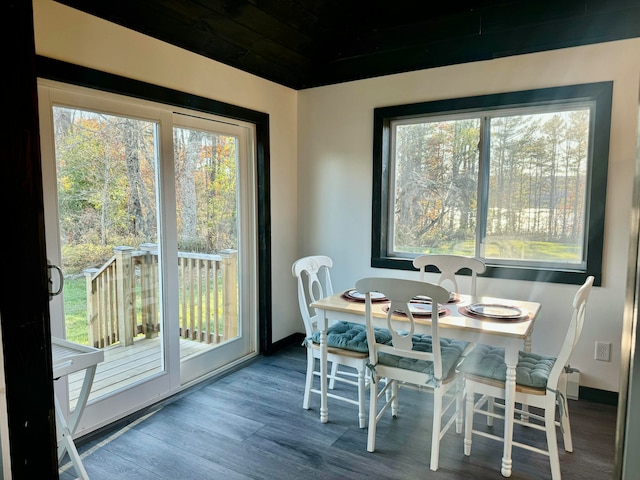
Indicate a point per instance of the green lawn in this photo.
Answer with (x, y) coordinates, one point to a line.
(75, 310)
(510, 248)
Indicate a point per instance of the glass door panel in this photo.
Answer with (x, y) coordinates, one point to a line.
(206, 179)
(106, 169)
(209, 159)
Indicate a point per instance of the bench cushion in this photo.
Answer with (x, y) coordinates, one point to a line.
(351, 336)
(451, 351)
(488, 361)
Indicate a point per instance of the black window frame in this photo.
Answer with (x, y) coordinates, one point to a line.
(600, 93)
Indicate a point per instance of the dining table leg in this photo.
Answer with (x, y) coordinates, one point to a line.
(511, 359)
(526, 347)
(322, 326)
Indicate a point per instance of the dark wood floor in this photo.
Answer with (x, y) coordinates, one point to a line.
(250, 424)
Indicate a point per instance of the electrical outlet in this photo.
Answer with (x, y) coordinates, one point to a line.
(603, 351)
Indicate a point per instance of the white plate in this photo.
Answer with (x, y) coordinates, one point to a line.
(495, 310)
(422, 298)
(361, 296)
(453, 296)
(421, 308)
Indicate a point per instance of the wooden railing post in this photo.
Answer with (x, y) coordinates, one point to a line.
(230, 293)
(149, 290)
(93, 323)
(125, 298)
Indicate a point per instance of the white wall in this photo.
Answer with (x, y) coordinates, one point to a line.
(335, 125)
(67, 34)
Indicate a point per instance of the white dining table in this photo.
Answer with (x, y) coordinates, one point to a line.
(513, 335)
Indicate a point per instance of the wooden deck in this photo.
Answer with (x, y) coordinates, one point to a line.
(124, 366)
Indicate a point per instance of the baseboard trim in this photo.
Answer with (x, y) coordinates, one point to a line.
(598, 396)
(295, 338)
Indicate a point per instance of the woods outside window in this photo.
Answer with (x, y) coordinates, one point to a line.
(516, 179)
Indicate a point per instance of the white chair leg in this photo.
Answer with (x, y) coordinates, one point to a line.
(361, 396)
(334, 372)
(468, 418)
(566, 429)
(394, 399)
(552, 440)
(311, 362)
(373, 412)
(435, 429)
(459, 403)
(564, 415)
(490, 409)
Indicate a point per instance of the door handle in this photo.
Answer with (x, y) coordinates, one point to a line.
(50, 267)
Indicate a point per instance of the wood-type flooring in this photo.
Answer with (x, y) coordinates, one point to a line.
(250, 424)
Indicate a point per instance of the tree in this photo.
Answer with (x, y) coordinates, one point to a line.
(206, 186)
(106, 178)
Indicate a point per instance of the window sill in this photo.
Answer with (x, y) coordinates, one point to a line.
(548, 275)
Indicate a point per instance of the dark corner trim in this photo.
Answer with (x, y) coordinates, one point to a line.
(293, 339)
(596, 395)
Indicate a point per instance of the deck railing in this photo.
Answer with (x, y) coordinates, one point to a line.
(123, 296)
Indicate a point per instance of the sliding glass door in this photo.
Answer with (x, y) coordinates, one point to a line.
(149, 213)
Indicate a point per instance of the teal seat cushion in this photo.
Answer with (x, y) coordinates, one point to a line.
(451, 351)
(351, 336)
(487, 361)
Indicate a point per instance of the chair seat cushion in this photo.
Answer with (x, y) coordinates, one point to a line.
(487, 361)
(451, 352)
(351, 336)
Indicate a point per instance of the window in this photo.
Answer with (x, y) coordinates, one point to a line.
(516, 179)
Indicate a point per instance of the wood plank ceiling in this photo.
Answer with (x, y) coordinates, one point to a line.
(309, 43)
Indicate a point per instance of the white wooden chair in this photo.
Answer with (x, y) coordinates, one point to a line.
(314, 283)
(449, 265)
(540, 382)
(421, 360)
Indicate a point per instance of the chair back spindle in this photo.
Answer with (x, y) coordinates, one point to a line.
(573, 332)
(314, 283)
(449, 265)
